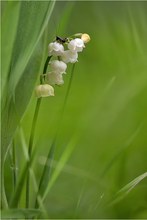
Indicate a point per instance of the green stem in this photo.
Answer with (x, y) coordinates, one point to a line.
(31, 140)
(14, 168)
(32, 134)
(47, 168)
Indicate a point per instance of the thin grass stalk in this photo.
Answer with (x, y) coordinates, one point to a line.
(32, 134)
(14, 165)
(4, 203)
(4, 200)
(30, 148)
(4, 154)
(48, 164)
(12, 161)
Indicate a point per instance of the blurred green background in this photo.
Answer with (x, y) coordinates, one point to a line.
(106, 110)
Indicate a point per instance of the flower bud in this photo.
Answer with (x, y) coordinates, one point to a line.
(55, 49)
(44, 90)
(58, 66)
(76, 45)
(85, 38)
(54, 78)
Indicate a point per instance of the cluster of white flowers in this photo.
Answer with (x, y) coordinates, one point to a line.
(58, 66)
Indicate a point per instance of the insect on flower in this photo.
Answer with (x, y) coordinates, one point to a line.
(61, 40)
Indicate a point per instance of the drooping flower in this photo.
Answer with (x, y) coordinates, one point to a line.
(85, 38)
(76, 45)
(69, 56)
(54, 78)
(55, 49)
(44, 90)
(58, 66)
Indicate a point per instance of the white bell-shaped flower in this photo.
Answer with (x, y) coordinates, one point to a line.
(44, 90)
(54, 78)
(58, 66)
(55, 49)
(76, 45)
(69, 56)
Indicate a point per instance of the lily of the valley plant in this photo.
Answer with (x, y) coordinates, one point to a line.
(62, 52)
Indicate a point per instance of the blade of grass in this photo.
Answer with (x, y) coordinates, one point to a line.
(45, 174)
(8, 35)
(63, 160)
(121, 194)
(13, 164)
(41, 205)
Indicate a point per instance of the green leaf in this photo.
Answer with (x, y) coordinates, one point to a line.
(33, 19)
(9, 19)
(25, 65)
(121, 194)
(19, 213)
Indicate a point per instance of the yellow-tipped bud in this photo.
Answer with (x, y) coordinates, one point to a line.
(44, 90)
(85, 38)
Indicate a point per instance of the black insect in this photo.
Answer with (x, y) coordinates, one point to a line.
(61, 40)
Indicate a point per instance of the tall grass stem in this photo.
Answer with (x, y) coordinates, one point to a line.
(13, 164)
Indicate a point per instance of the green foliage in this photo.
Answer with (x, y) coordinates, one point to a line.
(24, 66)
(8, 36)
(106, 111)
